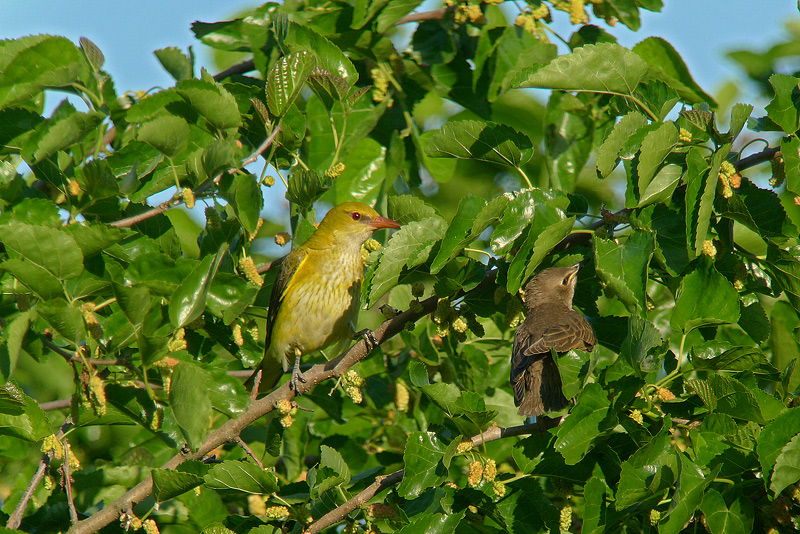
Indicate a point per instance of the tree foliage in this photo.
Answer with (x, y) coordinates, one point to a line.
(133, 250)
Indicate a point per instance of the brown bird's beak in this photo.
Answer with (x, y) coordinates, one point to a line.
(382, 222)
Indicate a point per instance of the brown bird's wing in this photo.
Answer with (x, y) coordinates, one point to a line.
(571, 332)
(289, 267)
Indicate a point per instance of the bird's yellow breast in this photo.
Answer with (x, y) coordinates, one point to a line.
(320, 304)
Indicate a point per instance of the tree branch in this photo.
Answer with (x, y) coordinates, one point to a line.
(759, 157)
(436, 14)
(16, 516)
(265, 145)
(385, 482)
(158, 210)
(233, 427)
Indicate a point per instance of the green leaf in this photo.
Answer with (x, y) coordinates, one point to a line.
(286, 79)
(408, 247)
(600, 68)
(623, 268)
(212, 101)
(774, 437)
(783, 110)
(166, 133)
(65, 128)
(705, 297)
(759, 210)
(39, 280)
(668, 66)
(65, 319)
(190, 403)
(241, 476)
(153, 105)
(49, 248)
(178, 64)
(364, 173)
(701, 187)
(687, 496)
(218, 528)
(790, 150)
(219, 156)
(189, 300)
(168, 483)
(784, 267)
(526, 509)
(787, 467)
(407, 208)
(648, 472)
(589, 420)
(422, 460)
(15, 334)
(722, 520)
(433, 524)
(740, 402)
(97, 179)
(20, 416)
(305, 187)
(93, 54)
(519, 213)
(495, 143)
(662, 186)
(328, 55)
(459, 233)
(244, 196)
(638, 347)
(739, 359)
(229, 296)
(607, 156)
(332, 471)
(656, 146)
(43, 61)
(740, 113)
(393, 12)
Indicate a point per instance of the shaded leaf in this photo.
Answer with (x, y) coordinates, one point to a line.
(495, 143)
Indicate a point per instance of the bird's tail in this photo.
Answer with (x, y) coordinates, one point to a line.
(271, 371)
(542, 389)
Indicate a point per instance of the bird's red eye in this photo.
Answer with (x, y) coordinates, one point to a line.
(356, 216)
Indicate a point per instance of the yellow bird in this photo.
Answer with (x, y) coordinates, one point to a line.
(316, 296)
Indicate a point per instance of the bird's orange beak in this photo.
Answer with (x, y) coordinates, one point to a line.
(383, 222)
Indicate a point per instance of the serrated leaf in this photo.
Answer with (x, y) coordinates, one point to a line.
(495, 143)
(246, 477)
(610, 149)
(286, 79)
(784, 267)
(759, 210)
(407, 208)
(722, 520)
(774, 437)
(49, 248)
(168, 483)
(93, 53)
(787, 467)
(588, 421)
(623, 268)
(790, 150)
(328, 55)
(422, 460)
(244, 196)
(600, 68)
(662, 186)
(393, 12)
(333, 470)
(65, 128)
(548, 229)
(703, 390)
(166, 133)
(705, 297)
(783, 109)
(190, 403)
(637, 347)
(656, 146)
(668, 66)
(701, 187)
(408, 247)
(20, 416)
(687, 496)
(178, 64)
(459, 233)
(212, 101)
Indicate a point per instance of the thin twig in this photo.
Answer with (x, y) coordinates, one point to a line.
(264, 267)
(240, 442)
(256, 384)
(158, 210)
(265, 145)
(16, 516)
(73, 512)
(436, 14)
(382, 483)
(239, 68)
(56, 404)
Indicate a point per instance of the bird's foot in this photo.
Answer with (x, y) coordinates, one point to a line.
(369, 338)
(297, 375)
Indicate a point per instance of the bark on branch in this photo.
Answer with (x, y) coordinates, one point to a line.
(233, 427)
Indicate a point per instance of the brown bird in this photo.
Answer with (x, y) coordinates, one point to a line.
(551, 323)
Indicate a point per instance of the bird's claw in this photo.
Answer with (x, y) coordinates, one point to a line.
(369, 338)
(297, 375)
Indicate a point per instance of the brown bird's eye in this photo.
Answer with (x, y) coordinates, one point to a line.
(356, 216)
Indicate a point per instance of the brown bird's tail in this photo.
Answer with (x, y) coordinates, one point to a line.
(271, 371)
(542, 389)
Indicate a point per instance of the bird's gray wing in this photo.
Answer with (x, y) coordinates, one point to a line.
(573, 331)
